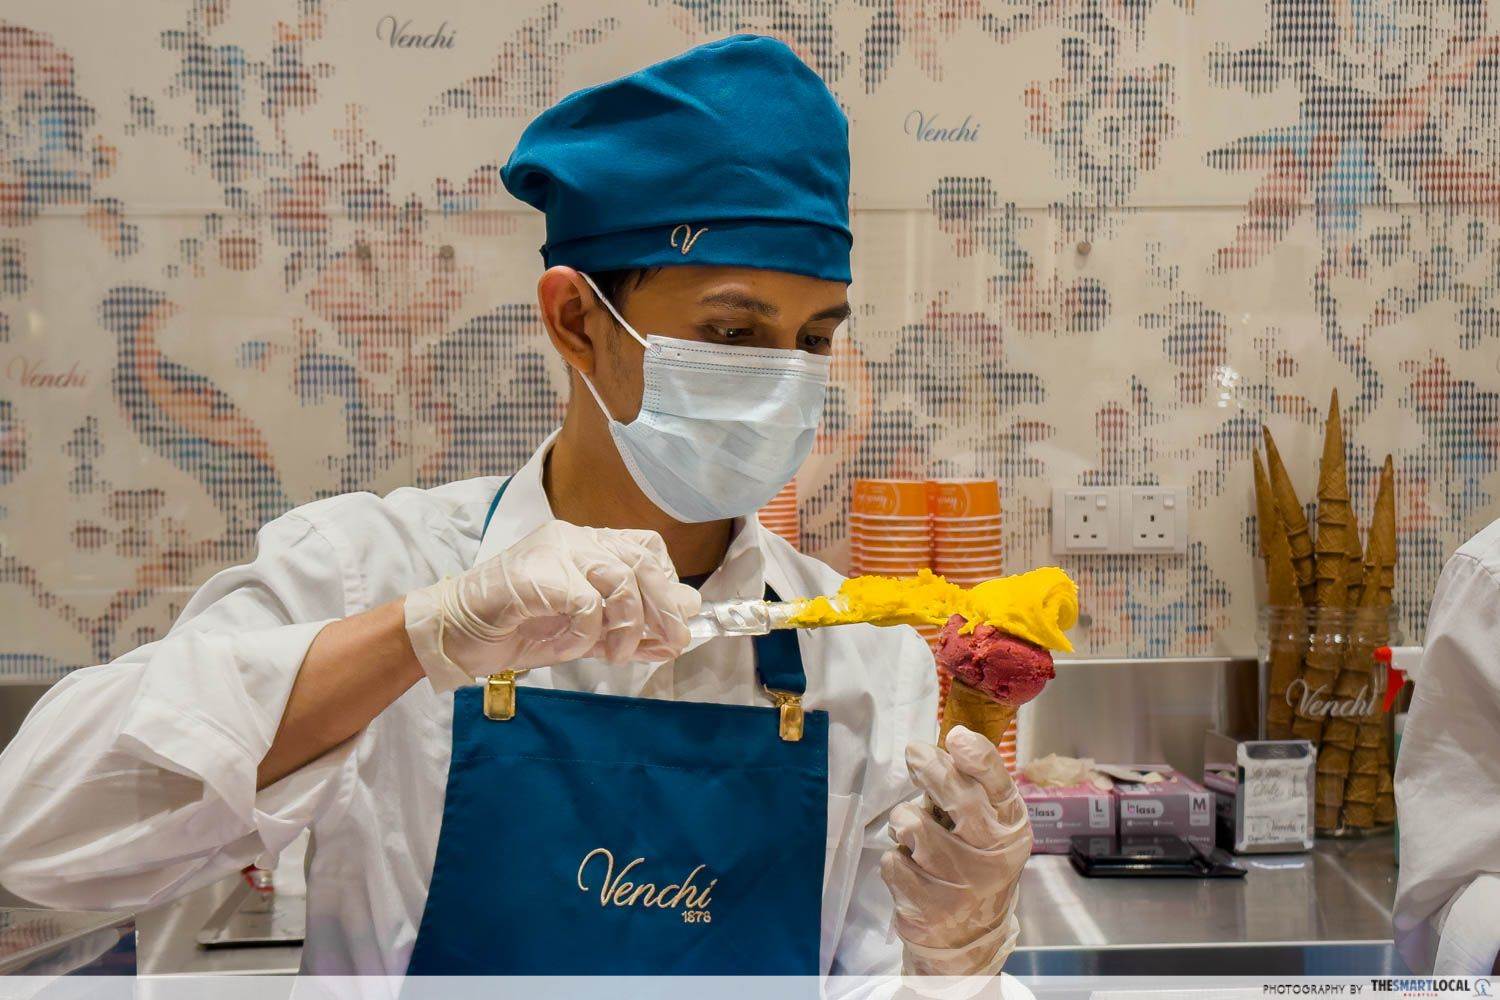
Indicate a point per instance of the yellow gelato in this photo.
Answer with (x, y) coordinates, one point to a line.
(1037, 606)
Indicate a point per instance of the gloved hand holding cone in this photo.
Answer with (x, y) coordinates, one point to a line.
(959, 853)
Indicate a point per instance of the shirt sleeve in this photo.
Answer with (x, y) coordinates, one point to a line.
(1448, 781)
(134, 782)
(868, 946)
(1469, 944)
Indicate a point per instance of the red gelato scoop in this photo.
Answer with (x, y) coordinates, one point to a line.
(1012, 671)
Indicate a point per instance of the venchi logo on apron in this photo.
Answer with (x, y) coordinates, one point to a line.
(615, 890)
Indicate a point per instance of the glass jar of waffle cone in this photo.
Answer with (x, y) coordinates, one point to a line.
(1320, 681)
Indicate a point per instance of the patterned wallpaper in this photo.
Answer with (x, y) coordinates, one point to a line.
(254, 254)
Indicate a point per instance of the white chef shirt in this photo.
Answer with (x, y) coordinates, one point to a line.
(1448, 776)
(134, 782)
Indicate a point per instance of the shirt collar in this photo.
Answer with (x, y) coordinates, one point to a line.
(743, 570)
(523, 507)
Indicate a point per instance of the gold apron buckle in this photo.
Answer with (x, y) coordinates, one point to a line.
(500, 696)
(790, 705)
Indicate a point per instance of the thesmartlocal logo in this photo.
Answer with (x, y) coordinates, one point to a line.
(1419, 986)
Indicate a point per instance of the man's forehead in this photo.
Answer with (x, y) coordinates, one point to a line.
(768, 293)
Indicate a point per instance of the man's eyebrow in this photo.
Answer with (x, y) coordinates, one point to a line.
(749, 303)
(739, 300)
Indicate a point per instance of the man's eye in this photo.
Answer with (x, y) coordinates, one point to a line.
(733, 332)
(816, 344)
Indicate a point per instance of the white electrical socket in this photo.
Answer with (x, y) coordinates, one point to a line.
(1154, 518)
(1085, 519)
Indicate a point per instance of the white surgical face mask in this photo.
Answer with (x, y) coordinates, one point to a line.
(721, 429)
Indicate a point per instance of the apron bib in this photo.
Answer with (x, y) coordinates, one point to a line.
(593, 834)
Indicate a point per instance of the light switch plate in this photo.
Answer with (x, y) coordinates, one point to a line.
(1154, 519)
(1085, 519)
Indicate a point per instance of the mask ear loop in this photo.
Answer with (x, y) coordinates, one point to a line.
(589, 383)
(628, 329)
(614, 312)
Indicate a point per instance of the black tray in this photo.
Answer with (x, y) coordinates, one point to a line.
(1148, 857)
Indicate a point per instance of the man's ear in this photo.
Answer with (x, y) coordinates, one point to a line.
(567, 304)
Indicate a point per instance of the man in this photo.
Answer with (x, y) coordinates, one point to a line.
(1448, 776)
(643, 804)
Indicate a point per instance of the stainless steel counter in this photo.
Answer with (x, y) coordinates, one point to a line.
(167, 941)
(1324, 913)
(46, 943)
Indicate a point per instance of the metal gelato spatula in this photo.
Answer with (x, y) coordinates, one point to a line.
(742, 616)
(749, 616)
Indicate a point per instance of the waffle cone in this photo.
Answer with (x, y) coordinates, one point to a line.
(1335, 753)
(1285, 664)
(1321, 669)
(1380, 551)
(1362, 788)
(1281, 574)
(1366, 761)
(1340, 733)
(1319, 675)
(1304, 728)
(1333, 759)
(1359, 815)
(1385, 802)
(1265, 505)
(1354, 563)
(1281, 591)
(1278, 719)
(1326, 817)
(967, 707)
(1357, 677)
(1351, 681)
(1371, 734)
(1335, 516)
(1293, 517)
(1330, 790)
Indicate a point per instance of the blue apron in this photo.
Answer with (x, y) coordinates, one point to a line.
(592, 834)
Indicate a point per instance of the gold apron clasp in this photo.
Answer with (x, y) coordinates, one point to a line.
(790, 705)
(500, 696)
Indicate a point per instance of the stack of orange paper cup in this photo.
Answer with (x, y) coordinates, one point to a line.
(780, 515)
(966, 540)
(890, 532)
(967, 547)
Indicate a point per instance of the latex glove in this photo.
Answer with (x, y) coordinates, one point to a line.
(561, 593)
(955, 889)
